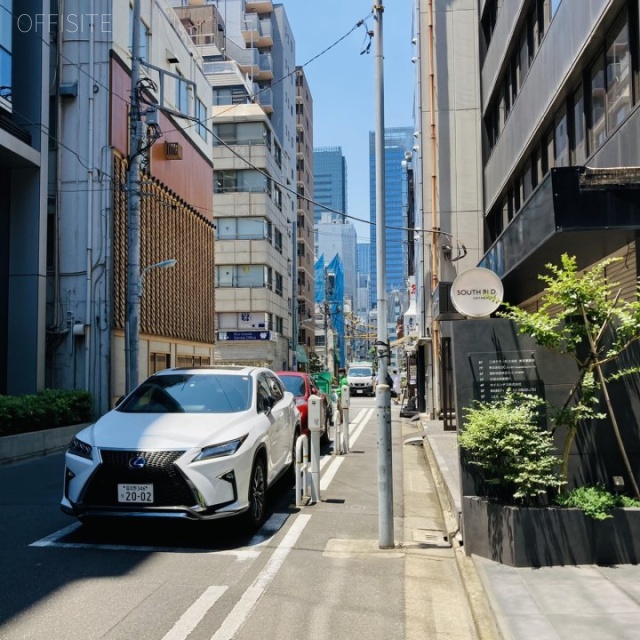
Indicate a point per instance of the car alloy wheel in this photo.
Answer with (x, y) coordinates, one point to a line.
(257, 494)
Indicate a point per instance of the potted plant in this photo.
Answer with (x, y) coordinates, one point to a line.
(528, 514)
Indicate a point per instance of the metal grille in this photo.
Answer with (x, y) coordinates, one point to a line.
(169, 486)
(178, 303)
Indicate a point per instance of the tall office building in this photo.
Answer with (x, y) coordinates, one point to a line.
(397, 142)
(335, 238)
(548, 162)
(330, 182)
(363, 278)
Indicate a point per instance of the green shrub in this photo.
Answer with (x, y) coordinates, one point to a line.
(45, 410)
(596, 501)
(516, 455)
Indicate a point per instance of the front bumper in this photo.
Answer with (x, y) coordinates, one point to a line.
(183, 489)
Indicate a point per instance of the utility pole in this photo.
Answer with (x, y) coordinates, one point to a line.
(383, 392)
(136, 133)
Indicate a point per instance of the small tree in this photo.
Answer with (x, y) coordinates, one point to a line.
(504, 439)
(582, 315)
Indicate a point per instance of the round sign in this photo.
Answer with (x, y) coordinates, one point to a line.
(477, 292)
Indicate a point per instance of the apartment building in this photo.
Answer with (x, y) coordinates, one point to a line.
(305, 258)
(245, 47)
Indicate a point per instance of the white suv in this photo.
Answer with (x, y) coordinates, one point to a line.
(193, 443)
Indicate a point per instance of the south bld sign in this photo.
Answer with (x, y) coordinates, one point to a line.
(477, 293)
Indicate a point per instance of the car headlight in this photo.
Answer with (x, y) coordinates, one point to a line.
(79, 448)
(220, 450)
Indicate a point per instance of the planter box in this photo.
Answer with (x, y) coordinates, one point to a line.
(547, 536)
(36, 443)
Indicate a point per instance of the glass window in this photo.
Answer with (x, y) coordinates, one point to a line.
(598, 133)
(561, 139)
(6, 48)
(251, 228)
(578, 139)
(222, 97)
(182, 95)
(201, 125)
(188, 393)
(618, 75)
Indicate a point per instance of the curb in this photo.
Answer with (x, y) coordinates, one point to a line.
(481, 611)
(23, 446)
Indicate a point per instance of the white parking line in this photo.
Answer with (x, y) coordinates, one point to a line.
(336, 461)
(194, 614)
(243, 608)
(248, 552)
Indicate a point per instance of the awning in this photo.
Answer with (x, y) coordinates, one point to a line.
(303, 358)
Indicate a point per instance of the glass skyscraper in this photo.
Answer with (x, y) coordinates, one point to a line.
(330, 182)
(397, 140)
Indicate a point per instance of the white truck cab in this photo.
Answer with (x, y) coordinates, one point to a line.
(361, 377)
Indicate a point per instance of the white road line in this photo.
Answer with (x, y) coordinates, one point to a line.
(336, 461)
(268, 529)
(330, 473)
(50, 541)
(243, 608)
(194, 614)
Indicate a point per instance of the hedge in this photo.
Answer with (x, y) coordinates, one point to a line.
(45, 410)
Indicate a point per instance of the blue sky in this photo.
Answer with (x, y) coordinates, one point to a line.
(342, 80)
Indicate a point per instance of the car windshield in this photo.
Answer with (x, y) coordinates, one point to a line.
(294, 384)
(360, 372)
(189, 393)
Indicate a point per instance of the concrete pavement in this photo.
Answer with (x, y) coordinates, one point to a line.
(548, 603)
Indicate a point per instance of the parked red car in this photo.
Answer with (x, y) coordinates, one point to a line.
(302, 385)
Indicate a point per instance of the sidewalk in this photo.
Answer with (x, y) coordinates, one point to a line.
(549, 603)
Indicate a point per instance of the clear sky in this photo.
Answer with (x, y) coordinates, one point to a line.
(342, 80)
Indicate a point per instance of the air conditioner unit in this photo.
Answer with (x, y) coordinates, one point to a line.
(173, 150)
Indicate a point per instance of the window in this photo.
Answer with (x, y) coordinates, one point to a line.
(277, 240)
(193, 361)
(252, 276)
(201, 125)
(278, 283)
(158, 362)
(240, 133)
(182, 95)
(618, 74)
(561, 139)
(277, 197)
(578, 138)
(241, 228)
(597, 133)
(228, 181)
(222, 96)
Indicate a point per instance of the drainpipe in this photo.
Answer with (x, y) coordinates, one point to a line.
(435, 241)
(90, 150)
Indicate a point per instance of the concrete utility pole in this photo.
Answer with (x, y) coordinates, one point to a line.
(136, 132)
(383, 392)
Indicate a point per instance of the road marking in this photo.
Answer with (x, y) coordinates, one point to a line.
(248, 552)
(243, 608)
(336, 461)
(194, 614)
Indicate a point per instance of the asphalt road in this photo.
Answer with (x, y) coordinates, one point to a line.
(308, 573)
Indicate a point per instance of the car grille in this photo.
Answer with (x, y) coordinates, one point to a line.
(169, 486)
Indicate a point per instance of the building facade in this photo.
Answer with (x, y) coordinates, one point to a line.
(25, 57)
(330, 182)
(544, 94)
(63, 271)
(305, 257)
(255, 198)
(335, 237)
(398, 141)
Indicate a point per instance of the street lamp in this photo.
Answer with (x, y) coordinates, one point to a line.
(132, 328)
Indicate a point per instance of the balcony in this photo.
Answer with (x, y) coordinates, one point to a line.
(588, 213)
(265, 99)
(265, 64)
(258, 6)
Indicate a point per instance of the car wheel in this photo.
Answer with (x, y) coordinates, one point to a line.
(256, 513)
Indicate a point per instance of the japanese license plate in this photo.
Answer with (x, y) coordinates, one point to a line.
(135, 493)
(359, 390)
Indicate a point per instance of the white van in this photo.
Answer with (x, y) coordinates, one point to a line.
(361, 378)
